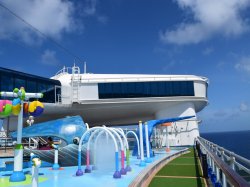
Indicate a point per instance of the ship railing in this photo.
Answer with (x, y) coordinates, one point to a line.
(6, 142)
(58, 97)
(68, 70)
(64, 70)
(224, 167)
(142, 79)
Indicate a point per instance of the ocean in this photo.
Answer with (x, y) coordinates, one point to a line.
(237, 142)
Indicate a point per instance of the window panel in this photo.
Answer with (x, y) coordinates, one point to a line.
(145, 89)
(19, 82)
(31, 86)
(7, 83)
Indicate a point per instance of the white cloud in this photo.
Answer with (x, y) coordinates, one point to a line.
(49, 58)
(243, 64)
(102, 19)
(90, 7)
(210, 17)
(208, 51)
(243, 107)
(53, 18)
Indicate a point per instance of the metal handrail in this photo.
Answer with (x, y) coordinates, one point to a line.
(226, 151)
(217, 163)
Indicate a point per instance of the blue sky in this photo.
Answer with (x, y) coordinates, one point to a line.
(201, 37)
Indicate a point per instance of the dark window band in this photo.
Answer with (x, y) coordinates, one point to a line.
(145, 89)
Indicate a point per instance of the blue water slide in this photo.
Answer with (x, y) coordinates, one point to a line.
(151, 125)
(70, 129)
(66, 128)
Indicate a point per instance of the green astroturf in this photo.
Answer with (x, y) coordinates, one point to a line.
(176, 182)
(186, 165)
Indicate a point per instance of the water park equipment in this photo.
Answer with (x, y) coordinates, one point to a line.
(167, 140)
(29, 121)
(142, 162)
(20, 96)
(137, 141)
(122, 171)
(88, 169)
(5, 108)
(126, 148)
(68, 129)
(151, 125)
(55, 166)
(36, 163)
(148, 160)
(79, 171)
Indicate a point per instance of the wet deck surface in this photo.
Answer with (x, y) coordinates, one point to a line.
(182, 171)
(66, 177)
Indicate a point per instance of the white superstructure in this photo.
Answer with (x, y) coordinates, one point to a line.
(123, 99)
(80, 95)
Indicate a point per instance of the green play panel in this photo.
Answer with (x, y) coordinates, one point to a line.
(4, 181)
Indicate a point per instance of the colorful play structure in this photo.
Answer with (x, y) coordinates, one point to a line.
(114, 135)
(77, 135)
(19, 108)
(121, 145)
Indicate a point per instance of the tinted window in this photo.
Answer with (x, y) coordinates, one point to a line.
(11, 79)
(7, 83)
(145, 89)
(19, 82)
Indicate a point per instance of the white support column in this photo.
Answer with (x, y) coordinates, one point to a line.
(148, 160)
(142, 162)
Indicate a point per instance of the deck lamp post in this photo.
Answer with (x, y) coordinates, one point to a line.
(18, 174)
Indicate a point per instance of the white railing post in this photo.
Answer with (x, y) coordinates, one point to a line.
(224, 179)
(232, 162)
(217, 174)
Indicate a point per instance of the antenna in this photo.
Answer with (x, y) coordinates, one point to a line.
(85, 67)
